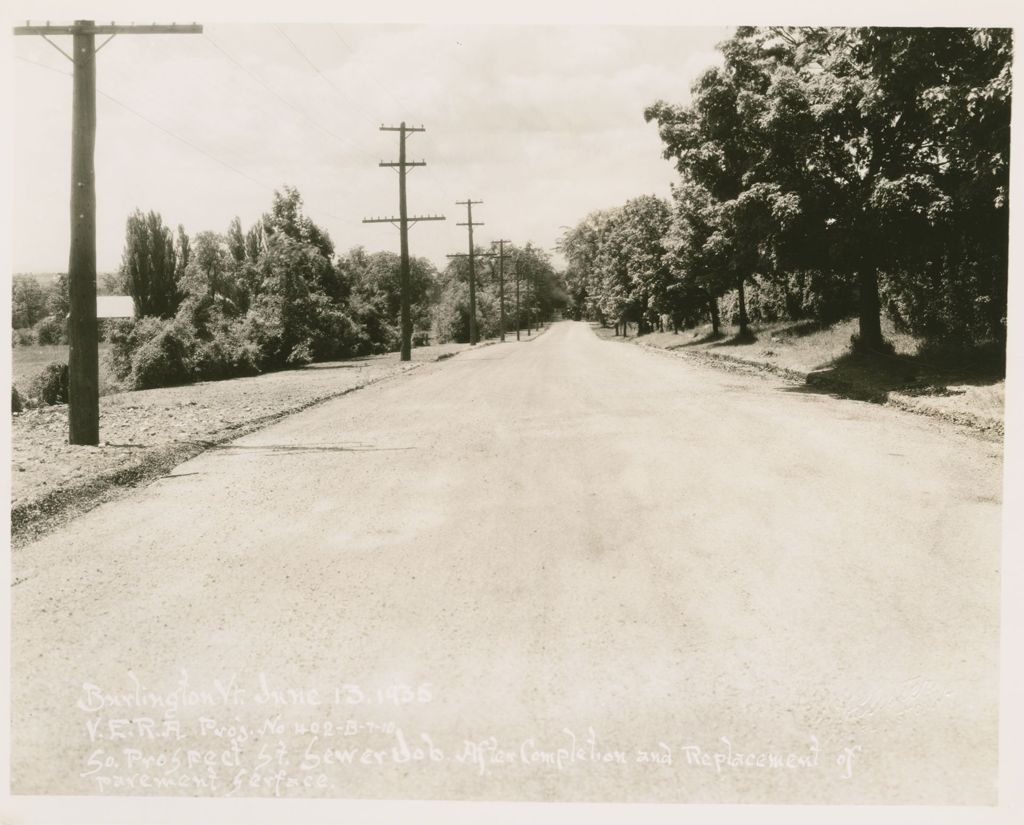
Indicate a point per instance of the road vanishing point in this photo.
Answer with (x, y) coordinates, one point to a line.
(531, 560)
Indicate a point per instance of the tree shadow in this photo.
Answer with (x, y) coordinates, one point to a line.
(707, 338)
(800, 329)
(873, 376)
(740, 339)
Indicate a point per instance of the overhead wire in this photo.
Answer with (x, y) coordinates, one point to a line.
(279, 96)
(167, 131)
(295, 46)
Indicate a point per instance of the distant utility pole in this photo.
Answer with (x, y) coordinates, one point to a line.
(518, 325)
(501, 256)
(529, 304)
(83, 339)
(468, 203)
(403, 221)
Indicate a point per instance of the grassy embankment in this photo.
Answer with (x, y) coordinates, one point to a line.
(966, 388)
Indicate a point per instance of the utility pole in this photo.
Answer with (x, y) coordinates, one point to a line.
(83, 339)
(468, 203)
(501, 256)
(403, 221)
(529, 306)
(518, 325)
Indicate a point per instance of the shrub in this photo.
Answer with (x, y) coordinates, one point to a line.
(17, 405)
(50, 386)
(301, 354)
(164, 360)
(51, 330)
(22, 338)
(226, 354)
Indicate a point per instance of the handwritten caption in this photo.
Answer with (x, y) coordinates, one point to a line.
(225, 739)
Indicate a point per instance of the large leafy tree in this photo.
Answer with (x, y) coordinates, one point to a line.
(873, 153)
(581, 246)
(715, 145)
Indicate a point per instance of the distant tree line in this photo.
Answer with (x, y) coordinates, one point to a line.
(541, 293)
(823, 173)
(218, 305)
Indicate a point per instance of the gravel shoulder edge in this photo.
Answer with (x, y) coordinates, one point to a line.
(34, 519)
(38, 517)
(974, 425)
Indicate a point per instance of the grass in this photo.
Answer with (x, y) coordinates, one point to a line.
(961, 386)
(29, 362)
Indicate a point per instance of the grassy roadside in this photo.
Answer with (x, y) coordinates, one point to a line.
(965, 390)
(145, 434)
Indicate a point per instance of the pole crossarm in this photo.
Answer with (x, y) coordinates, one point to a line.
(91, 28)
(412, 219)
(83, 337)
(402, 224)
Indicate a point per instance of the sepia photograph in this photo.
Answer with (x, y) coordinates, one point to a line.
(590, 415)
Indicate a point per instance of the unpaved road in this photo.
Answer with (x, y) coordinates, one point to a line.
(793, 598)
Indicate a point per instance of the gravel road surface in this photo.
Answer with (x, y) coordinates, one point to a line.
(556, 570)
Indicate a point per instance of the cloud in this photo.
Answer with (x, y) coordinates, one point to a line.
(543, 123)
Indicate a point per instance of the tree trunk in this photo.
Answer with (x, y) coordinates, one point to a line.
(625, 328)
(744, 320)
(716, 321)
(616, 329)
(870, 310)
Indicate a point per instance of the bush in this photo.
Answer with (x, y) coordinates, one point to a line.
(50, 386)
(301, 354)
(226, 354)
(51, 330)
(17, 405)
(164, 360)
(22, 338)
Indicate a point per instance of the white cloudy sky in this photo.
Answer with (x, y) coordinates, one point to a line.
(542, 123)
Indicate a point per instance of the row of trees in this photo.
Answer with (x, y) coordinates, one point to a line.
(216, 305)
(38, 311)
(838, 171)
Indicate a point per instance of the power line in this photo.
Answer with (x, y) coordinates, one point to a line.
(168, 132)
(346, 98)
(401, 104)
(338, 90)
(280, 97)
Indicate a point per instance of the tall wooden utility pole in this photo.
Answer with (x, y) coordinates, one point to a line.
(501, 256)
(468, 203)
(403, 229)
(83, 338)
